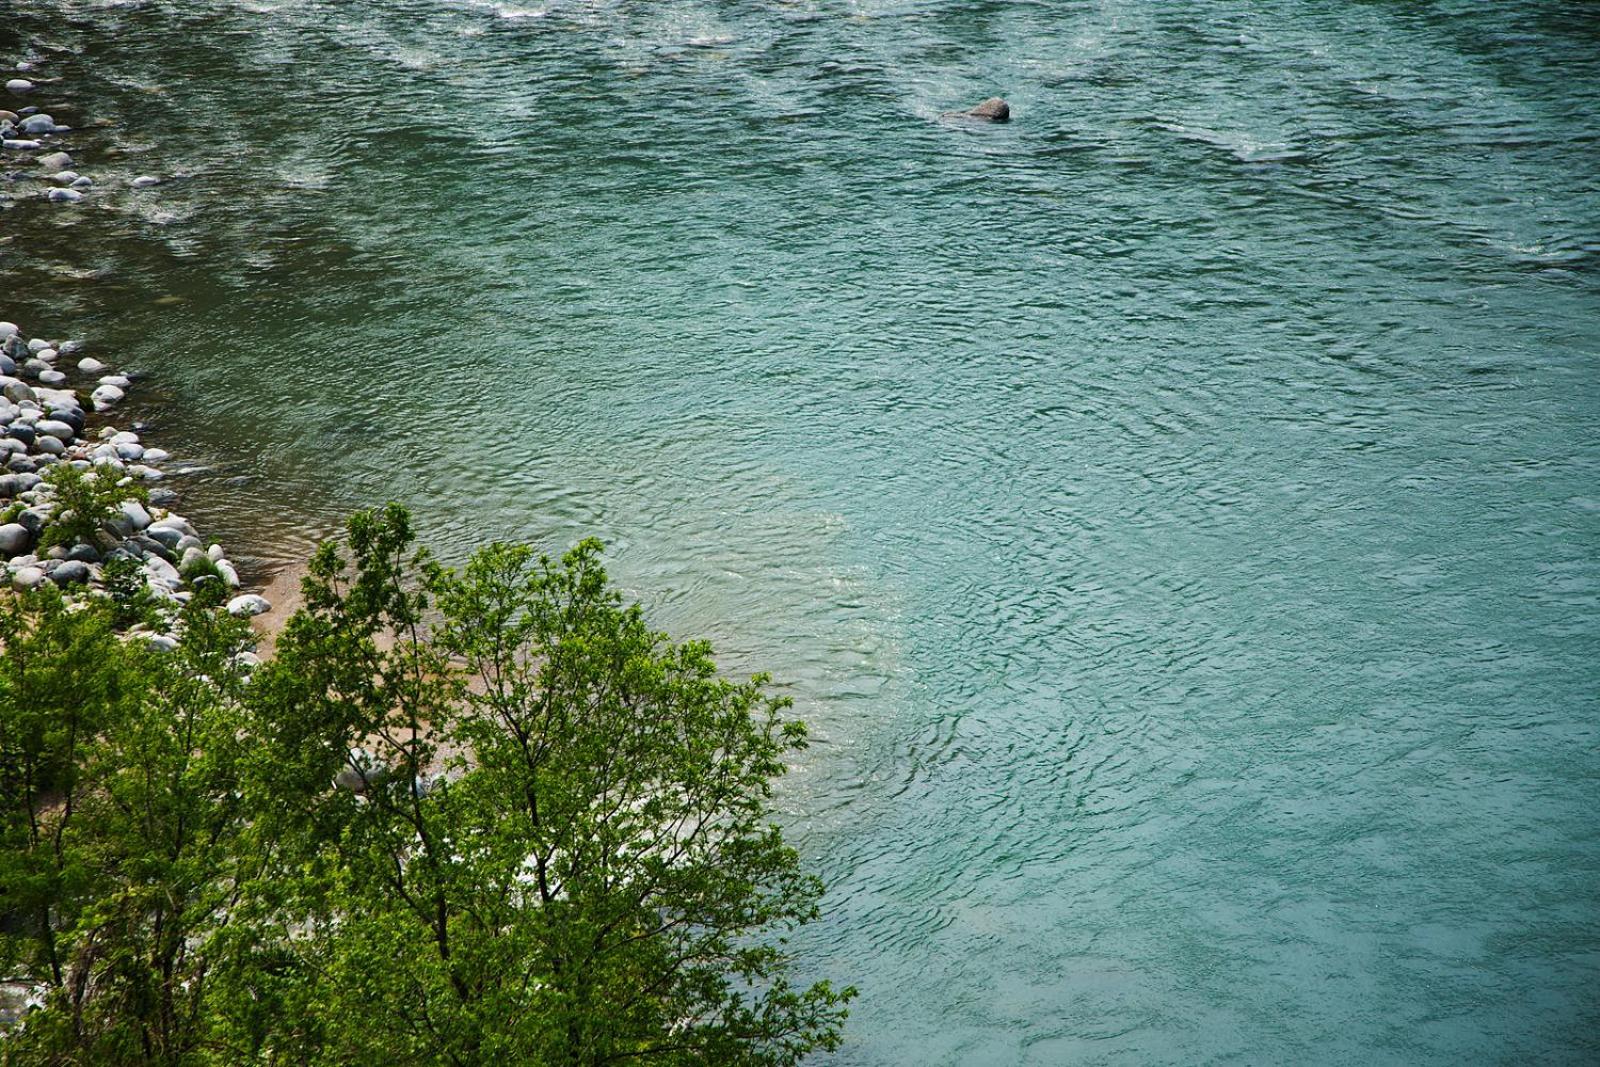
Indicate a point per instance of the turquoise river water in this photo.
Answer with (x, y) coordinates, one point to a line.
(1175, 511)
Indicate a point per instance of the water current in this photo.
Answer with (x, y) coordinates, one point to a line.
(1175, 511)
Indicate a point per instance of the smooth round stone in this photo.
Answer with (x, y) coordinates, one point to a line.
(22, 431)
(38, 122)
(71, 416)
(150, 548)
(21, 145)
(162, 573)
(104, 396)
(35, 366)
(50, 446)
(85, 553)
(214, 553)
(83, 182)
(161, 642)
(123, 437)
(54, 161)
(27, 578)
(192, 554)
(65, 196)
(8, 366)
(229, 575)
(156, 455)
(173, 525)
(20, 85)
(138, 518)
(55, 428)
(175, 522)
(38, 344)
(16, 484)
(166, 535)
(14, 539)
(149, 474)
(9, 330)
(64, 177)
(52, 377)
(249, 604)
(71, 572)
(70, 348)
(90, 365)
(118, 381)
(47, 354)
(186, 542)
(130, 450)
(145, 181)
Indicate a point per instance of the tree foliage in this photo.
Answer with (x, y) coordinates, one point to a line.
(119, 815)
(460, 816)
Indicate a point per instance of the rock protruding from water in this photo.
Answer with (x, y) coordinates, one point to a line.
(993, 109)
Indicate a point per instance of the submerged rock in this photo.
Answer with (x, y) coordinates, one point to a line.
(993, 109)
(20, 85)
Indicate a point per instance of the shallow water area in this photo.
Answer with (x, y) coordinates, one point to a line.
(1175, 510)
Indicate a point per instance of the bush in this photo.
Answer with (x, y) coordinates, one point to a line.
(132, 603)
(85, 501)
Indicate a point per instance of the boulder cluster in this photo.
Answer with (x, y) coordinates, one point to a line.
(43, 425)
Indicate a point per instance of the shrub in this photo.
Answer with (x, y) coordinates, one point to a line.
(85, 501)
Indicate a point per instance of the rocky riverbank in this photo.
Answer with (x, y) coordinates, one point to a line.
(45, 535)
(82, 501)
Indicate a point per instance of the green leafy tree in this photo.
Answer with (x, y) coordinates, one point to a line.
(121, 816)
(551, 840)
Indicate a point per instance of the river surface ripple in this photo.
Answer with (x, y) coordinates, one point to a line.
(1176, 510)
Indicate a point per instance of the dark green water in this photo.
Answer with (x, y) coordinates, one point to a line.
(1176, 511)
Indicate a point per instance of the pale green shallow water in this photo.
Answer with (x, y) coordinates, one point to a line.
(1176, 511)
